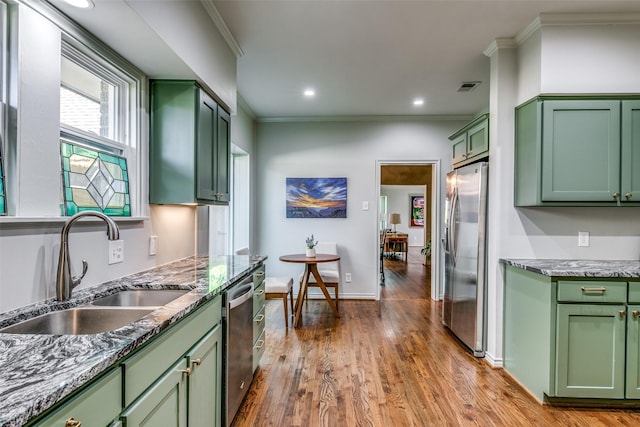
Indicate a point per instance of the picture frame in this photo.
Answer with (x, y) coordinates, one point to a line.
(416, 210)
(316, 197)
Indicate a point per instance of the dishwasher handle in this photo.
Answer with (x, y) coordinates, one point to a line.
(239, 295)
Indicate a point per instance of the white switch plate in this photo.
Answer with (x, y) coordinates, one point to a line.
(153, 245)
(347, 277)
(583, 238)
(365, 206)
(116, 251)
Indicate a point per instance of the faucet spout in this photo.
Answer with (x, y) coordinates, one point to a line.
(64, 282)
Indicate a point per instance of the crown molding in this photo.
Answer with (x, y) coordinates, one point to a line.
(498, 44)
(245, 107)
(217, 19)
(412, 118)
(547, 19)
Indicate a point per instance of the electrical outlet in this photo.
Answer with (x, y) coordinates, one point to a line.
(347, 277)
(583, 238)
(116, 251)
(153, 245)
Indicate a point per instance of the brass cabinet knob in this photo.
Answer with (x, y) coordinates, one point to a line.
(196, 362)
(616, 196)
(623, 313)
(635, 313)
(628, 196)
(187, 371)
(72, 422)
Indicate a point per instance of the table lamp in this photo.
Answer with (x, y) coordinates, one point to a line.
(394, 219)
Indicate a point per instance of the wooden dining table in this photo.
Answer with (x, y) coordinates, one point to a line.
(311, 268)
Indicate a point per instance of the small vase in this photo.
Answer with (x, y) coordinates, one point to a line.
(311, 252)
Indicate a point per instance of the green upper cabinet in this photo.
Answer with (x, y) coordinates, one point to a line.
(577, 152)
(189, 150)
(471, 143)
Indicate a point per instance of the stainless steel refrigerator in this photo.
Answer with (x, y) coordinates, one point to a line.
(464, 305)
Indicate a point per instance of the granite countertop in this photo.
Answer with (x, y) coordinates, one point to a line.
(37, 371)
(577, 267)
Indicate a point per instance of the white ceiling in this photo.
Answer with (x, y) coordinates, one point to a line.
(362, 57)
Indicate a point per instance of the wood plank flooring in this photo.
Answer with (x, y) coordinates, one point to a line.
(390, 363)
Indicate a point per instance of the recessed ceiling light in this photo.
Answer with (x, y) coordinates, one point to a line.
(418, 102)
(309, 93)
(82, 4)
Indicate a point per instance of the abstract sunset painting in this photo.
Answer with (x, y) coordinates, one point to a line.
(316, 197)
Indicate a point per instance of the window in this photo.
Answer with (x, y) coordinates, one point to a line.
(98, 103)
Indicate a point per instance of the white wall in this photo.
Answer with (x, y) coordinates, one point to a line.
(338, 149)
(552, 232)
(398, 202)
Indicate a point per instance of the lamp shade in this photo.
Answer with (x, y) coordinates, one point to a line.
(394, 218)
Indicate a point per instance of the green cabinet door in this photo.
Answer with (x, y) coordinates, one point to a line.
(630, 159)
(205, 147)
(590, 349)
(581, 150)
(223, 156)
(164, 404)
(478, 139)
(205, 382)
(459, 149)
(633, 352)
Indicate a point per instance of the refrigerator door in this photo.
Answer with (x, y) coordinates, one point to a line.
(467, 257)
(446, 244)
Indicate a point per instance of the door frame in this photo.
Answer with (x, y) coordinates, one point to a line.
(436, 182)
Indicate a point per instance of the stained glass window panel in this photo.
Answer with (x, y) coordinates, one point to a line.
(93, 180)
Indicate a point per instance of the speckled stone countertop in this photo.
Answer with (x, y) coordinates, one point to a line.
(578, 268)
(36, 371)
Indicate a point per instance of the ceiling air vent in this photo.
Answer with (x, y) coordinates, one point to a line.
(468, 86)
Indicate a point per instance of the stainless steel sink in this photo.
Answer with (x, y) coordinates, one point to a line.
(140, 298)
(78, 321)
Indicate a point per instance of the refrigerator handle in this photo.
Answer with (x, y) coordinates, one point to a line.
(451, 234)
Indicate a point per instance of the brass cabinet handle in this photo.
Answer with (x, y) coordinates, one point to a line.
(259, 344)
(219, 195)
(260, 292)
(260, 274)
(628, 196)
(259, 318)
(187, 371)
(616, 196)
(196, 362)
(636, 313)
(72, 422)
(623, 313)
(600, 289)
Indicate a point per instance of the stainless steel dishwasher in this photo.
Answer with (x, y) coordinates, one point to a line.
(238, 339)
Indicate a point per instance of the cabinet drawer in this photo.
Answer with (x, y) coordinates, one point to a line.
(258, 350)
(143, 368)
(592, 291)
(258, 324)
(258, 277)
(258, 299)
(634, 292)
(97, 405)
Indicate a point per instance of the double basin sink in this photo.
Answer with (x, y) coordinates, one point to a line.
(102, 315)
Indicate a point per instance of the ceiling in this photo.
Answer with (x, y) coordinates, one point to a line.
(362, 57)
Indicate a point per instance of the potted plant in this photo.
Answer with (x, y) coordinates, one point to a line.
(311, 246)
(426, 251)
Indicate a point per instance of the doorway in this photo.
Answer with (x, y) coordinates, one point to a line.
(411, 179)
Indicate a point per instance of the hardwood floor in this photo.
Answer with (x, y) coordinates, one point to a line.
(390, 363)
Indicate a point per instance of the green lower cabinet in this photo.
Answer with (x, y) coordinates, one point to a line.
(164, 404)
(633, 352)
(590, 349)
(205, 382)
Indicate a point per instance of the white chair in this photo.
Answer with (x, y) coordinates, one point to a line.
(276, 287)
(329, 271)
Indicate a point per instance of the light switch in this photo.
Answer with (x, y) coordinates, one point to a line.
(583, 238)
(365, 206)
